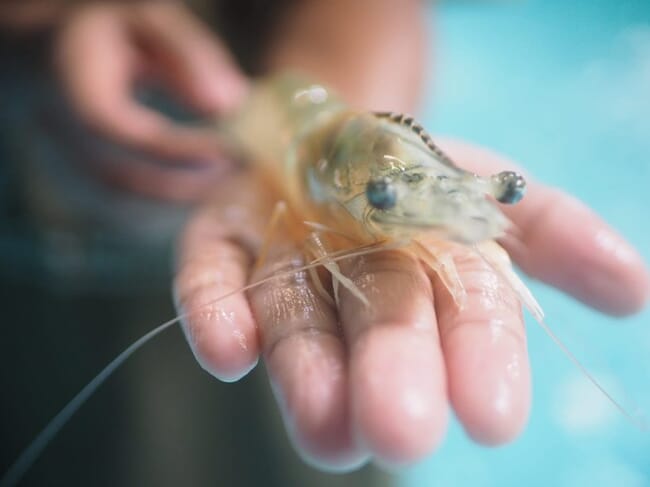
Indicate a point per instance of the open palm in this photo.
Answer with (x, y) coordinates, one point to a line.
(359, 382)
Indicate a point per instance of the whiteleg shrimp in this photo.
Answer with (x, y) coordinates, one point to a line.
(355, 183)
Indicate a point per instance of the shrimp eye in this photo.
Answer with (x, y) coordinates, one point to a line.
(509, 187)
(381, 194)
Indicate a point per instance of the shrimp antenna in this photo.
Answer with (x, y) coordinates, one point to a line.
(31, 453)
(637, 418)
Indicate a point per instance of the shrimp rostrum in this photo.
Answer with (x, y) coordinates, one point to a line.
(364, 357)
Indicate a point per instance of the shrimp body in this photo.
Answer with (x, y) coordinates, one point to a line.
(371, 177)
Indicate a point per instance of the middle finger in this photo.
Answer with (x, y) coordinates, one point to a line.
(485, 347)
(397, 379)
(306, 361)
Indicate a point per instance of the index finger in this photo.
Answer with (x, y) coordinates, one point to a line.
(560, 241)
(97, 64)
(214, 259)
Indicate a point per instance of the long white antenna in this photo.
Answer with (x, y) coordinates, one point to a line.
(526, 298)
(637, 418)
(34, 449)
(31, 453)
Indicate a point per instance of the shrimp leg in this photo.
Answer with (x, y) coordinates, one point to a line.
(315, 277)
(316, 245)
(440, 261)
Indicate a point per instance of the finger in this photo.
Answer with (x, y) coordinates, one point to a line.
(485, 353)
(566, 244)
(191, 58)
(130, 170)
(222, 334)
(306, 361)
(175, 184)
(588, 258)
(397, 379)
(98, 64)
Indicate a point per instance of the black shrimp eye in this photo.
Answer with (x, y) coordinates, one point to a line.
(510, 187)
(381, 194)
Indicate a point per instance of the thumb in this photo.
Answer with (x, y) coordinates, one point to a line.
(193, 61)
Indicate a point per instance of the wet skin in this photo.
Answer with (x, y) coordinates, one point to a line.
(356, 383)
(352, 385)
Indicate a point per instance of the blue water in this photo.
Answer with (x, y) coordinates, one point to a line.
(564, 89)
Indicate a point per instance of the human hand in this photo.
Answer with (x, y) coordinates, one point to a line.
(357, 382)
(105, 49)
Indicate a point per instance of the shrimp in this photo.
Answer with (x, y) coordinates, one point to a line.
(371, 178)
(378, 178)
(352, 183)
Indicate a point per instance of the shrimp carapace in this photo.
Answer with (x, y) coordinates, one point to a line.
(368, 175)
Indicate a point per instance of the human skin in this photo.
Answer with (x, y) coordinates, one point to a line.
(352, 385)
(378, 385)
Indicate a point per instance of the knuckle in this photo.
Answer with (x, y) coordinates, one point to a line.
(276, 338)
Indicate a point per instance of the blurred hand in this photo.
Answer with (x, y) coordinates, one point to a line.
(28, 17)
(354, 382)
(105, 49)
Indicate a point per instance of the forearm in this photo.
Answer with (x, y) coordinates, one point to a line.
(371, 51)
